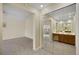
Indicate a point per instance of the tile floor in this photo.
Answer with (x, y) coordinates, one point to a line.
(64, 49)
(21, 46)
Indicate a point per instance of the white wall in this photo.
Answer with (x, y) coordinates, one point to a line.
(53, 25)
(36, 30)
(0, 26)
(14, 18)
(77, 28)
(29, 27)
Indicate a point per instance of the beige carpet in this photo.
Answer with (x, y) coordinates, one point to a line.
(21, 46)
(24, 46)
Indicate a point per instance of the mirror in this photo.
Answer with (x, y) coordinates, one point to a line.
(64, 26)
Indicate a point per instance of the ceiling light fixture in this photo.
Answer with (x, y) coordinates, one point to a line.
(41, 6)
(61, 22)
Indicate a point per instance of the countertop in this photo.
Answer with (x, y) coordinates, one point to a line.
(64, 33)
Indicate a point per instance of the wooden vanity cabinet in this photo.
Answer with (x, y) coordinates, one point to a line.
(69, 39)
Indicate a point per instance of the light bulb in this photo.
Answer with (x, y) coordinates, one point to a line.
(41, 6)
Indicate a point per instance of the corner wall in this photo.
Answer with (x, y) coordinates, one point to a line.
(29, 27)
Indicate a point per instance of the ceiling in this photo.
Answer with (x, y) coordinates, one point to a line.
(64, 13)
(58, 14)
(8, 8)
(38, 5)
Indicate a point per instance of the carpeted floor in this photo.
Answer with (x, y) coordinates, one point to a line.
(21, 46)
(24, 46)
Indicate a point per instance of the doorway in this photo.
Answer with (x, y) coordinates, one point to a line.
(62, 30)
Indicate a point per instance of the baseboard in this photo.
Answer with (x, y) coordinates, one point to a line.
(7, 38)
(29, 37)
(12, 38)
(37, 48)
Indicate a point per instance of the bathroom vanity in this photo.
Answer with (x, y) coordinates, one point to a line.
(68, 38)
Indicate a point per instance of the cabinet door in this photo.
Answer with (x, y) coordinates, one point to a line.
(65, 38)
(72, 40)
(60, 38)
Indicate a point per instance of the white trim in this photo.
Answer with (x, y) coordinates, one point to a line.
(29, 37)
(35, 49)
(12, 38)
(77, 29)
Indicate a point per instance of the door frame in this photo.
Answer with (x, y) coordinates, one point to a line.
(76, 26)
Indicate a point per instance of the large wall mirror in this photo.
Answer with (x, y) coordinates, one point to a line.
(65, 26)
